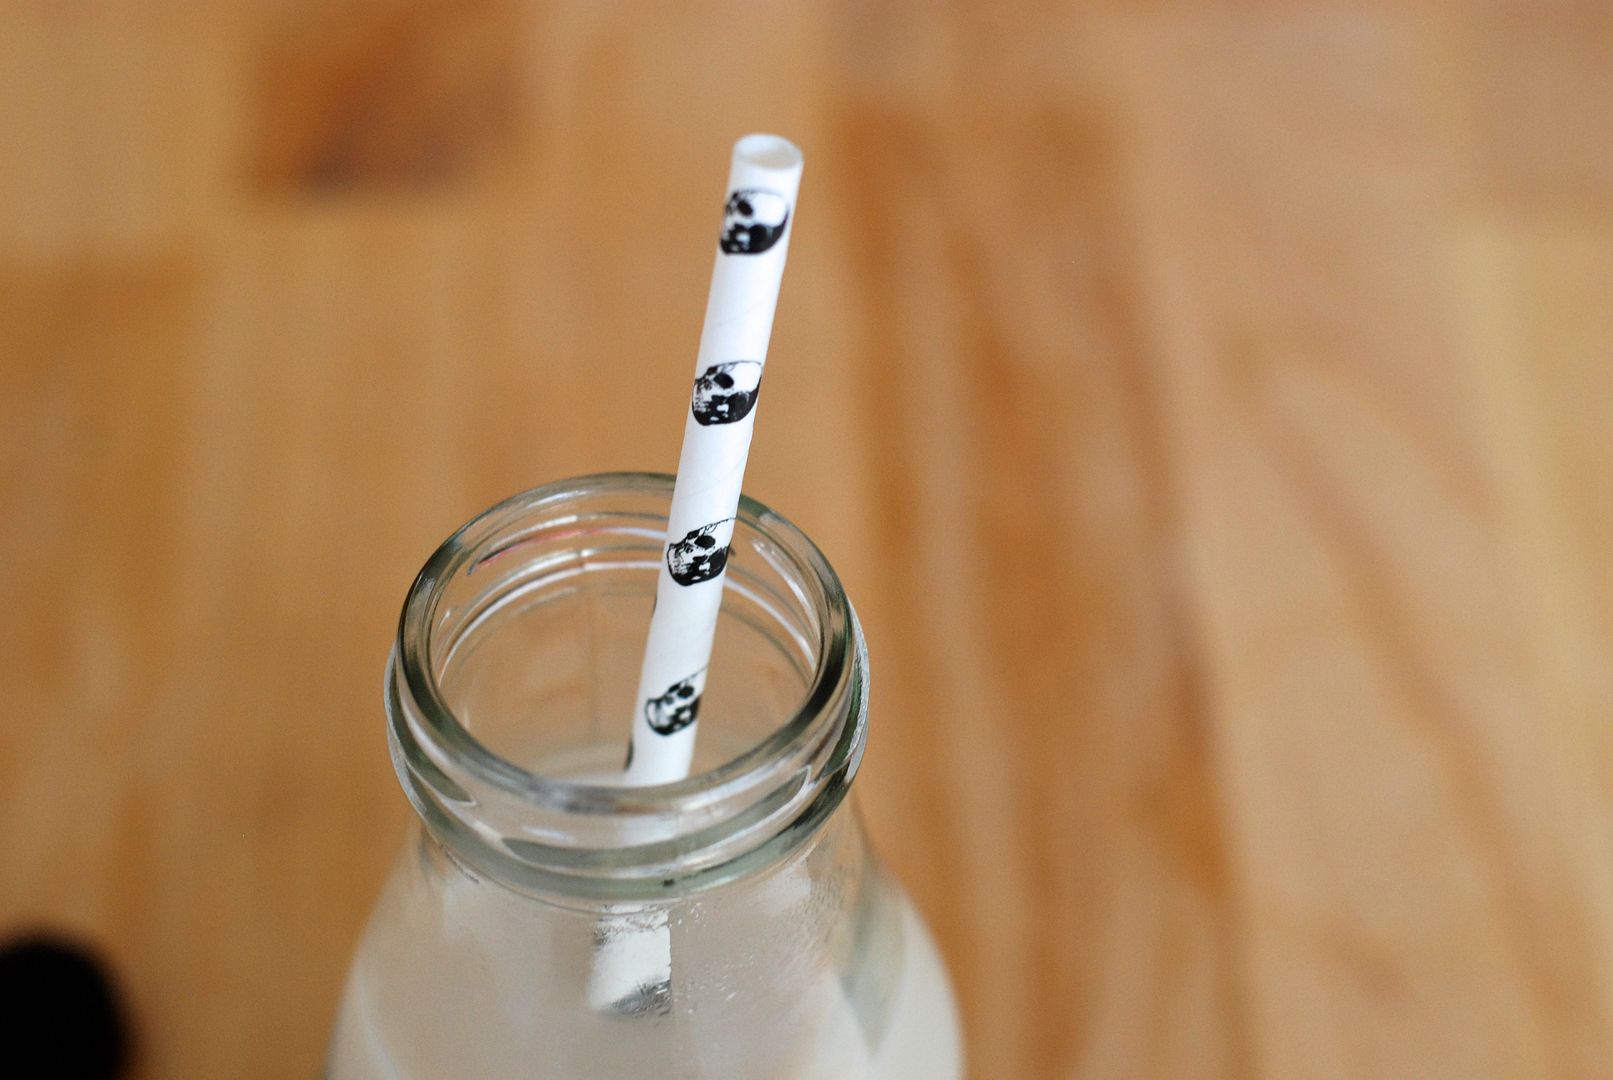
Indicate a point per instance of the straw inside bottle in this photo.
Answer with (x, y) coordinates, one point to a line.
(632, 966)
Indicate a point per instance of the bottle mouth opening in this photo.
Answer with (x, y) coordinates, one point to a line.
(475, 674)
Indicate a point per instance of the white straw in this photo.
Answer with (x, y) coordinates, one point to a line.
(632, 966)
(755, 239)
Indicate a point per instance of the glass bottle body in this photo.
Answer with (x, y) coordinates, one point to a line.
(792, 953)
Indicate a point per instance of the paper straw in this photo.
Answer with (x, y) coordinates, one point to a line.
(755, 239)
(632, 967)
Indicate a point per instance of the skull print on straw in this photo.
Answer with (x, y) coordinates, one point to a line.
(762, 185)
(632, 964)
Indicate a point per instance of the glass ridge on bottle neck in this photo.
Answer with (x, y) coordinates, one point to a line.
(571, 839)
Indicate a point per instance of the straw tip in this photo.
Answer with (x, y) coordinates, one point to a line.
(768, 152)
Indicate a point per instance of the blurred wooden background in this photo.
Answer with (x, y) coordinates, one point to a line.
(1210, 414)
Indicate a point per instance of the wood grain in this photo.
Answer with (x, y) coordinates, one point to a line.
(1208, 411)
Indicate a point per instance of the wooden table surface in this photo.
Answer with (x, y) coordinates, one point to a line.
(1209, 412)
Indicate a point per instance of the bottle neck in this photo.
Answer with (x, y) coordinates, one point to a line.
(509, 698)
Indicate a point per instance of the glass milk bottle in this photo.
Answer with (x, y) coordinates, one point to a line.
(794, 956)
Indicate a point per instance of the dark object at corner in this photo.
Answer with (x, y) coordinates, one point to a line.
(60, 1018)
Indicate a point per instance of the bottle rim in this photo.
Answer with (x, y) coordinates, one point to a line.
(452, 776)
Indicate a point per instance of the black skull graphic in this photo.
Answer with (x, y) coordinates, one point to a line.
(678, 707)
(701, 554)
(753, 221)
(726, 393)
